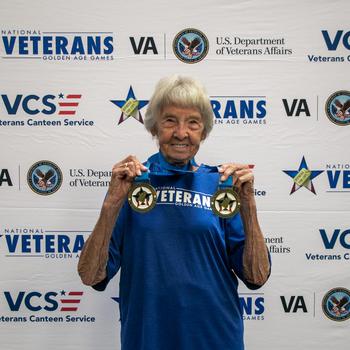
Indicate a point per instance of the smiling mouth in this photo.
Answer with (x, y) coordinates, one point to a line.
(179, 145)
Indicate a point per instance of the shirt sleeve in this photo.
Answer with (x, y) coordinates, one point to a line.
(235, 240)
(114, 250)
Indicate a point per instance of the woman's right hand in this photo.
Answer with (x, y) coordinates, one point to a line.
(123, 175)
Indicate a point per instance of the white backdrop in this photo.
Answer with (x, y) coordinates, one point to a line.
(41, 235)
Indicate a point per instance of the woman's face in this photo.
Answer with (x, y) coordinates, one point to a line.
(180, 132)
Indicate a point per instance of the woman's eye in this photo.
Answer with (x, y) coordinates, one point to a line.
(169, 121)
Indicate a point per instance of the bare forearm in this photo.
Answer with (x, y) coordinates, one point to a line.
(256, 265)
(94, 256)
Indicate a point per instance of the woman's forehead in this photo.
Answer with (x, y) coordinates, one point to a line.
(177, 110)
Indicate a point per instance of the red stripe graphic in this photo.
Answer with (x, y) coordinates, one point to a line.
(71, 298)
(76, 293)
(69, 309)
(67, 105)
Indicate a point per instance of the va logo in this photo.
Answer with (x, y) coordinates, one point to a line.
(296, 108)
(143, 45)
(5, 178)
(44, 177)
(336, 304)
(294, 304)
(329, 241)
(190, 45)
(333, 41)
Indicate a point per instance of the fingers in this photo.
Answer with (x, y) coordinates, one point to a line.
(241, 173)
(128, 169)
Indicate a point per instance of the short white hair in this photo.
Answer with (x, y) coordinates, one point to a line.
(182, 92)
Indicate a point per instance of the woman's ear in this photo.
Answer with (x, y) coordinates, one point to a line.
(154, 131)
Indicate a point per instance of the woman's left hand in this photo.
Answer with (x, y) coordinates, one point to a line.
(243, 178)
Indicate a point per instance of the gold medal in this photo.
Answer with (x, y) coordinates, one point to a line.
(225, 202)
(142, 197)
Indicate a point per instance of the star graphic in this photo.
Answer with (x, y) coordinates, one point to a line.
(225, 202)
(60, 95)
(63, 292)
(141, 197)
(308, 183)
(136, 105)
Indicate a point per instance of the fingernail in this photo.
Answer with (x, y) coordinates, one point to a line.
(251, 166)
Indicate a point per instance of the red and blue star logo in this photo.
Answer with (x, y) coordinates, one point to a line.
(130, 107)
(303, 177)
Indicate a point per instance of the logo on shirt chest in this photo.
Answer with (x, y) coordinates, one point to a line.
(168, 195)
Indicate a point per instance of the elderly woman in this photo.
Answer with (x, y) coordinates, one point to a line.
(179, 261)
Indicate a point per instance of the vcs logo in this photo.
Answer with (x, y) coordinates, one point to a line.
(63, 105)
(332, 41)
(49, 301)
(253, 307)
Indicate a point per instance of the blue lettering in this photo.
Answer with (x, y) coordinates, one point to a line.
(78, 244)
(247, 109)
(259, 306)
(47, 45)
(63, 244)
(14, 108)
(35, 40)
(94, 45)
(329, 244)
(28, 302)
(230, 109)
(37, 240)
(9, 44)
(61, 45)
(342, 239)
(108, 41)
(52, 107)
(12, 242)
(77, 46)
(216, 108)
(25, 105)
(261, 109)
(332, 45)
(346, 179)
(23, 45)
(50, 244)
(51, 301)
(26, 244)
(246, 305)
(14, 305)
(333, 180)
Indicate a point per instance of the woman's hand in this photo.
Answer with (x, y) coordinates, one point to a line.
(243, 179)
(123, 175)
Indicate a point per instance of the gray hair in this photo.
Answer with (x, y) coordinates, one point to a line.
(182, 92)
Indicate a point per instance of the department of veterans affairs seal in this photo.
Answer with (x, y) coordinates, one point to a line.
(338, 108)
(142, 197)
(44, 177)
(190, 45)
(336, 304)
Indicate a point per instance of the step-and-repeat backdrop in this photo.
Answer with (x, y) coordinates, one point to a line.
(277, 76)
